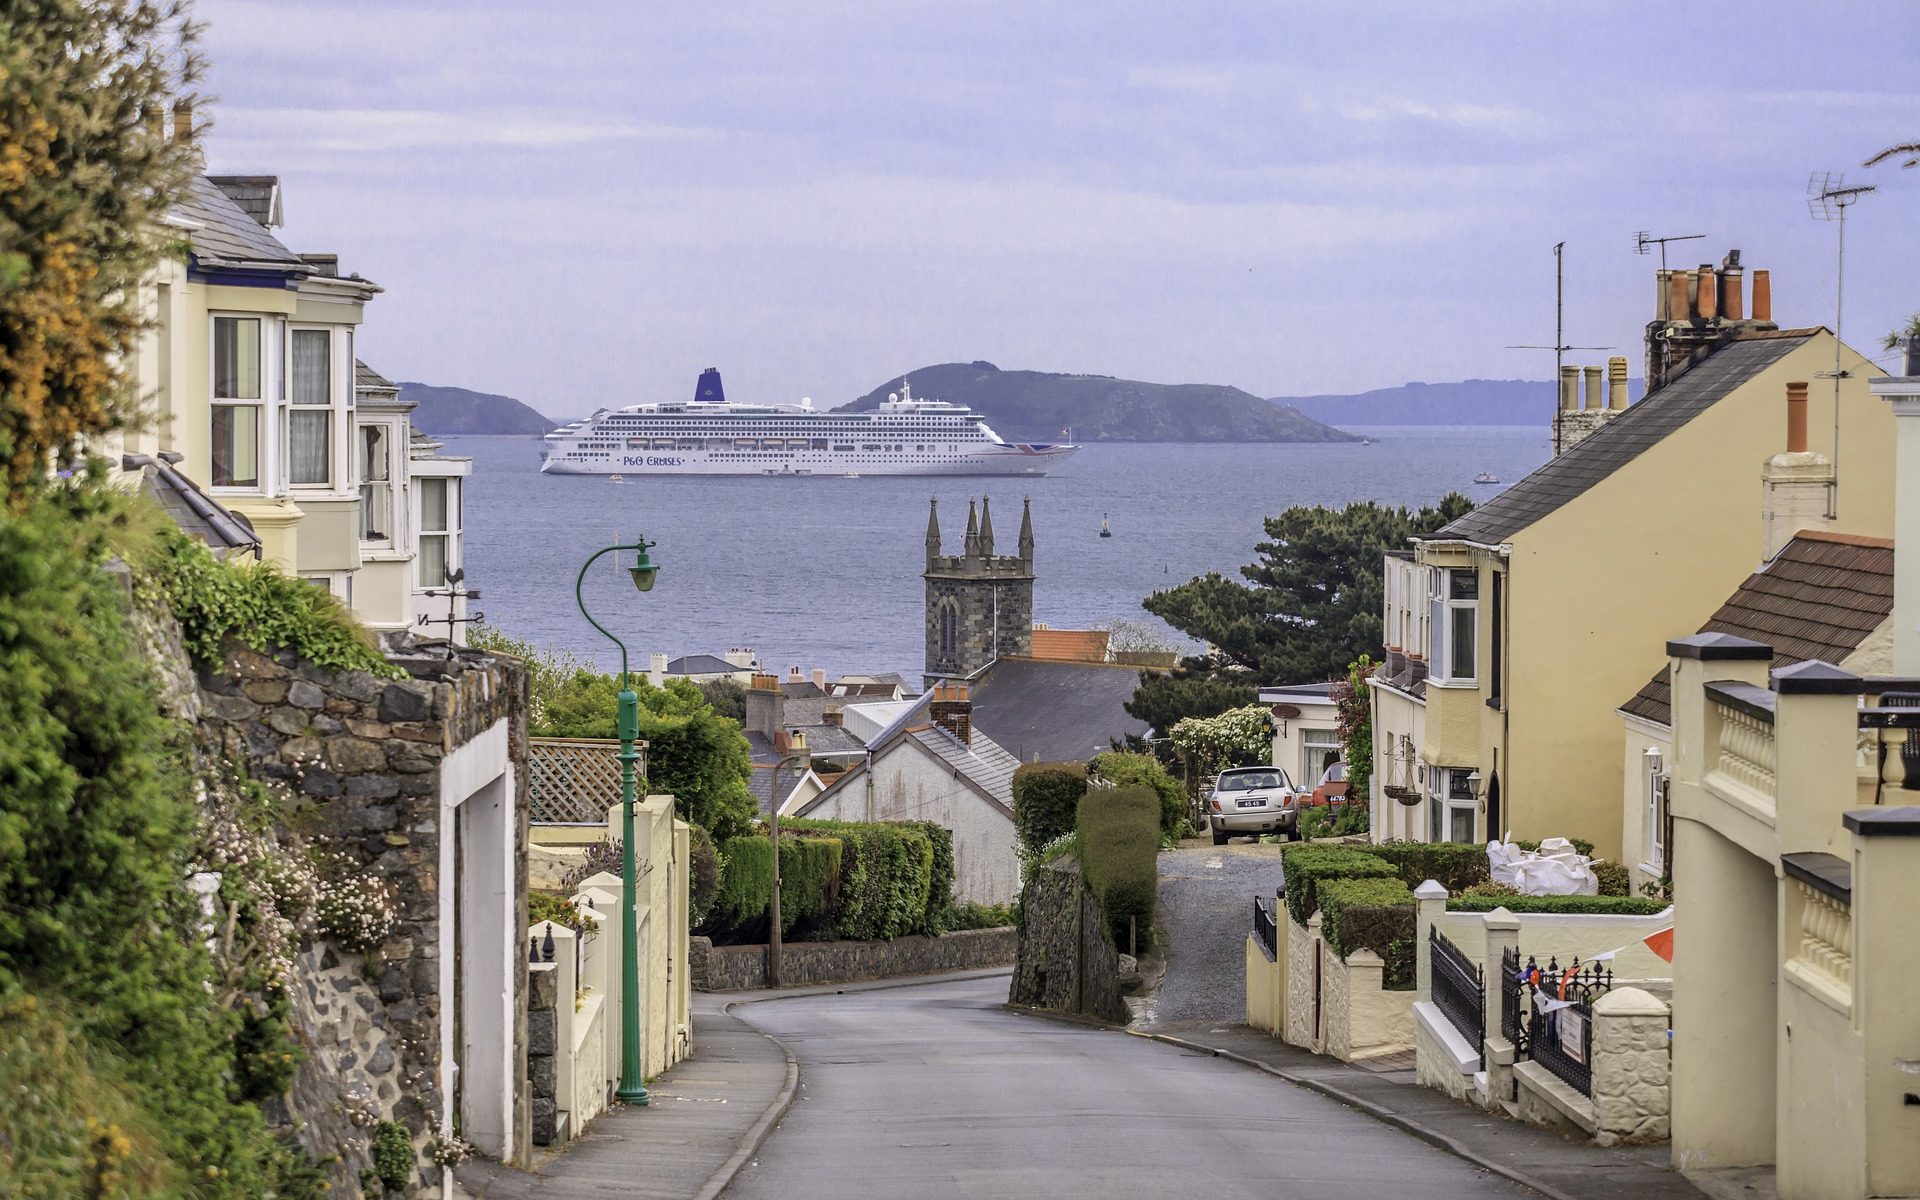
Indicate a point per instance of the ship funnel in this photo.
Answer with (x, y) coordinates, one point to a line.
(710, 390)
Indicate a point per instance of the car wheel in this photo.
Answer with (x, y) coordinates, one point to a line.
(1220, 837)
(1293, 834)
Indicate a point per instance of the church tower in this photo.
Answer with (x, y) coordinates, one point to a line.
(979, 604)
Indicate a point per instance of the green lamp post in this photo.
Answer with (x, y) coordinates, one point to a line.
(633, 1087)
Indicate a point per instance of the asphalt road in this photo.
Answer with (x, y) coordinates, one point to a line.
(938, 1091)
(1205, 911)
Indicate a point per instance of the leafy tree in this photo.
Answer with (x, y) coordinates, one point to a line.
(727, 697)
(1353, 707)
(1308, 607)
(84, 183)
(549, 672)
(693, 752)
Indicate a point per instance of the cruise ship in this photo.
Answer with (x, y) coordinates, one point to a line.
(710, 435)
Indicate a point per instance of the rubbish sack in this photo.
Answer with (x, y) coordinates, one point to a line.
(1556, 869)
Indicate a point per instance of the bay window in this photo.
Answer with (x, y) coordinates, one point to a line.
(238, 401)
(310, 419)
(439, 529)
(1453, 602)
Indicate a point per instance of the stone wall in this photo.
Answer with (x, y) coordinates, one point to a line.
(744, 968)
(1631, 1067)
(354, 761)
(543, 995)
(1066, 959)
(1302, 948)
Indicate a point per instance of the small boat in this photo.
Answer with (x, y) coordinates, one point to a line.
(1366, 441)
(1486, 477)
(1104, 531)
(615, 479)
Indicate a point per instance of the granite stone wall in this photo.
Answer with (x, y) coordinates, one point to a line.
(355, 762)
(744, 968)
(1067, 960)
(543, 995)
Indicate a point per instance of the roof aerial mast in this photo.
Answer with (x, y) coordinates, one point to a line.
(1828, 198)
(1559, 346)
(1642, 239)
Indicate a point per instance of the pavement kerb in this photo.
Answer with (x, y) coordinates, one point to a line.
(1426, 1133)
(750, 1145)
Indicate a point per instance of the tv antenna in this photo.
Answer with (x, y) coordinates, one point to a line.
(1559, 346)
(1642, 239)
(1828, 199)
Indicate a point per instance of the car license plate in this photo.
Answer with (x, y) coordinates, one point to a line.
(1252, 803)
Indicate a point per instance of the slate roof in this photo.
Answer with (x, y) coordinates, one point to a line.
(365, 377)
(227, 234)
(984, 763)
(198, 515)
(701, 664)
(801, 689)
(1624, 438)
(760, 784)
(831, 740)
(1055, 711)
(1819, 598)
(256, 195)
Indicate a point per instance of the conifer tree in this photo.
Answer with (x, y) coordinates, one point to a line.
(87, 172)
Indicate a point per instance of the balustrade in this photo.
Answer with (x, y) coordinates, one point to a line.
(1746, 750)
(1826, 934)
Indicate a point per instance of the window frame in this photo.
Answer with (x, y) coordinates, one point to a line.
(1656, 816)
(340, 475)
(1311, 752)
(450, 534)
(392, 428)
(261, 405)
(1445, 606)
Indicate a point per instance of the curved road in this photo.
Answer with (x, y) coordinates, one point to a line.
(937, 1091)
(1206, 909)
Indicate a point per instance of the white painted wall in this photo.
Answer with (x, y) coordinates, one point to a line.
(909, 784)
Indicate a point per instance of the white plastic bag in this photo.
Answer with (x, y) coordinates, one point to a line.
(1556, 869)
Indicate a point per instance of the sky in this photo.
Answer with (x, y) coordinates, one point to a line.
(584, 203)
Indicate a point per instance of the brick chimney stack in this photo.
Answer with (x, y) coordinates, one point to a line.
(1793, 483)
(1699, 310)
(952, 710)
(766, 706)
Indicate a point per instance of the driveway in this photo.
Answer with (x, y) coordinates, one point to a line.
(940, 1093)
(1206, 910)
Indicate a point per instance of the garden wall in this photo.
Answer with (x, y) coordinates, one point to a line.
(744, 968)
(1066, 959)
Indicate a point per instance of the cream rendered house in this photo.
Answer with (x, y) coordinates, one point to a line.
(256, 396)
(1540, 602)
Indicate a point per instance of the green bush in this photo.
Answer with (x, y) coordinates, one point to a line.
(1045, 799)
(1457, 866)
(1308, 866)
(1124, 769)
(1119, 851)
(1617, 906)
(1614, 879)
(970, 915)
(393, 1157)
(1490, 888)
(1371, 914)
(703, 874)
(940, 881)
(561, 910)
(97, 831)
(809, 881)
(746, 886)
(1316, 823)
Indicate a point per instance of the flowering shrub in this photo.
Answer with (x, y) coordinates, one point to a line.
(445, 1148)
(355, 910)
(603, 855)
(1209, 744)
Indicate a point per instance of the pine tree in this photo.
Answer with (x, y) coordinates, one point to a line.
(86, 175)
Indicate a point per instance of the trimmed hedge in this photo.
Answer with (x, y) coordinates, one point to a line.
(888, 876)
(1122, 768)
(1613, 878)
(1307, 866)
(746, 885)
(1456, 865)
(1119, 851)
(1614, 906)
(809, 880)
(1371, 914)
(1046, 797)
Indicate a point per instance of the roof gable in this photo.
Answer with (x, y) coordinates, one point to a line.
(1819, 599)
(226, 234)
(1623, 439)
(1055, 711)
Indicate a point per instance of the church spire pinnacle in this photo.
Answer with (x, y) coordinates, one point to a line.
(1026, 529)
(973, 530)
(986, 528)
(933, 530)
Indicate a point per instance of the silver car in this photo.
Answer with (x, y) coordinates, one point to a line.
(1253, 800)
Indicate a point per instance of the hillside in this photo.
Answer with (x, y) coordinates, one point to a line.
(1036, 406)
(1468, 402)
(452, 411)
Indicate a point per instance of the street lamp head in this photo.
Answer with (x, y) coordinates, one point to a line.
(644, 569)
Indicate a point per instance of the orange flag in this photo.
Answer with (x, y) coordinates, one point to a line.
(1662, 943)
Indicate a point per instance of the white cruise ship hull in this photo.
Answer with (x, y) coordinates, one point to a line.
(1008, 460)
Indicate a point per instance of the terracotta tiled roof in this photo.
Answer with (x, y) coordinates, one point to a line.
(1070, 645)
(1820, 598)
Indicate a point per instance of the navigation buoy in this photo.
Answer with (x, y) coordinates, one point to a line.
(1104, 531)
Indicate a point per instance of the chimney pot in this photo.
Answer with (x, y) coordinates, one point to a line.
(1594, 400)
(1569, 389)
(1679, 300)
(1703, 290)
(1731, 280)
(183, 120)
(1662, 289)
(1617, 383)
(1763, 296)
(1796, 418)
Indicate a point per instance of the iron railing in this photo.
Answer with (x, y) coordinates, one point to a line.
(1562, 1040)
(1458, 989)
(1264, 926)
(1515, 998)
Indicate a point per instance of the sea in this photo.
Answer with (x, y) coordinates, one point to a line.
(824, 571)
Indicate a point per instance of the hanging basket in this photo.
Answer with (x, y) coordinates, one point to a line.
(1404, 795)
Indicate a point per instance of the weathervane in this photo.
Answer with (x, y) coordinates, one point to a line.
(455, 592)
